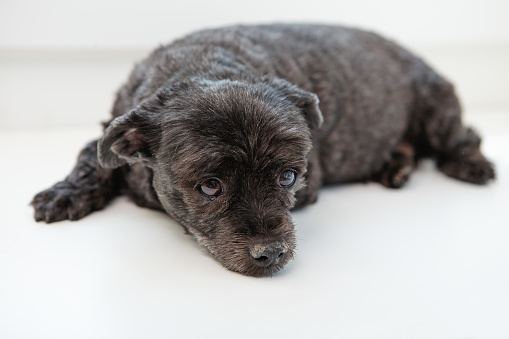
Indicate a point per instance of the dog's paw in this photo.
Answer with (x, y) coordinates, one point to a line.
(473, 168)
(62, 201)
(397, 171)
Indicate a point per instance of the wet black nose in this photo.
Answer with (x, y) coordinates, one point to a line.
(265, 255)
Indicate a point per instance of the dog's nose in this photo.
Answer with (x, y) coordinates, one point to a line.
(265, 255)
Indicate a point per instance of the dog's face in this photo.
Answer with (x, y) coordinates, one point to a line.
(228, 158)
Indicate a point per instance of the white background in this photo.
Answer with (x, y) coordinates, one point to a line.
(144, 24)
(428, 261)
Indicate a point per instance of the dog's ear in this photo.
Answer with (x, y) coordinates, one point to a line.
(132, 137)
(306, 101)
(136, 135)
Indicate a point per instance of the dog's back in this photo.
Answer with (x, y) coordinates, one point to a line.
(370, 88)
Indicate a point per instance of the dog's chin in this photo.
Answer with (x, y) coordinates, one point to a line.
(242, 262)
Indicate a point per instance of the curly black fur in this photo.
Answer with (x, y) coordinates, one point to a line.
(244, 104)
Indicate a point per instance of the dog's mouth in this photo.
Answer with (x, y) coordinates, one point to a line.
(258, 260)
(251, 267)
(255, 255)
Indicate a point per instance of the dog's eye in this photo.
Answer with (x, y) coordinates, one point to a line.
(287, 179)
(211, 187)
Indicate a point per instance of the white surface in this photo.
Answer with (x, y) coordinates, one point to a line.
(428, 261)
(144, 24)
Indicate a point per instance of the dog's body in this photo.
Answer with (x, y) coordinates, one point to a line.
(223, 131)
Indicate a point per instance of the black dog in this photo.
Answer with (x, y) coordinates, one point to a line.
(224, 132)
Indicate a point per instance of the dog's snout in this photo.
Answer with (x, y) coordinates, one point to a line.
(265, 255)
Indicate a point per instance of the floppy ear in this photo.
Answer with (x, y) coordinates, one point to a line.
(136, 135)
(130, 138)
(306, 101)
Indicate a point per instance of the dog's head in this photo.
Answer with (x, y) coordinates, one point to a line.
(227, 158)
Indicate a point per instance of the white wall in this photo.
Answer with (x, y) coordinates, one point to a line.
(143, 24)
(61, 61)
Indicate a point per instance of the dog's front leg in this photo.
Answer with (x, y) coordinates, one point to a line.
(89, 187)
